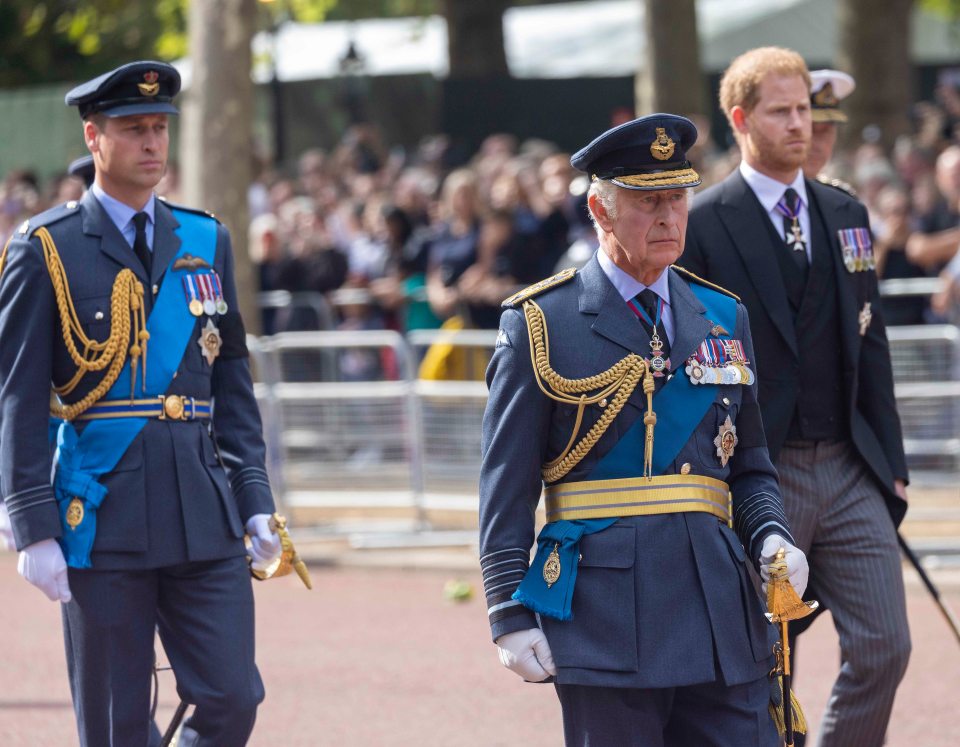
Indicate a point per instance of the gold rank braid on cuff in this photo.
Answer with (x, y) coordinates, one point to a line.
(619, 380)
(126, 303)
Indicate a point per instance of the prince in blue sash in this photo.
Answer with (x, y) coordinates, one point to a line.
(625, 393)
(131, 485)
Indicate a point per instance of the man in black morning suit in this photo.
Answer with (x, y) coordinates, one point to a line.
(799, 255)
(159, 466)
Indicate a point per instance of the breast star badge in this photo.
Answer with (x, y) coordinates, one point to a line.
(725, 441)
(210, 341)
(865, 317)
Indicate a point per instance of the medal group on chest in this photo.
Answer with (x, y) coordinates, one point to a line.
(204, 294)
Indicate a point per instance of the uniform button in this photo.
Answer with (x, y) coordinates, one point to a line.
(98, 316)
(175, 374)
(156, 289)
(726, 401)
(603, 402)
(685, 469)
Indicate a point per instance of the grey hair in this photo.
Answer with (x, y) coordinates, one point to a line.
(606, 193)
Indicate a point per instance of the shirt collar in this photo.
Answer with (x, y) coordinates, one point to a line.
(627, 285)
(120, 213)
(769, 191)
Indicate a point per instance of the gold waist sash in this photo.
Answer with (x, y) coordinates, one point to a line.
(637, 496)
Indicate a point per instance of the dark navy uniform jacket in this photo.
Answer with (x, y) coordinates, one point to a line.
(182, 491)
(660, 601)
(728, 242)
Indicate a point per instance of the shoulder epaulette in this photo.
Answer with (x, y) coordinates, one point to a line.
(46, 218)
(697, 279)
(838, 184)
(175, 206)
(539, 287)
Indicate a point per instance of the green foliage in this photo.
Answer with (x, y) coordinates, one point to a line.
(949, 9)
(60, 40)
(48, 41)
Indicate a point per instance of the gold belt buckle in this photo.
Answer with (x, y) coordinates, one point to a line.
(174, 407)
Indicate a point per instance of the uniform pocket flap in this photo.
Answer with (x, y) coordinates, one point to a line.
(132, 458)
(734, 541)
(614, 547)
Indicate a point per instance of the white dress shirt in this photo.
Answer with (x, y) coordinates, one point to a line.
(770, 191)
(628, 287)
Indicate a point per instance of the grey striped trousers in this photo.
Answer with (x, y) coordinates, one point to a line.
(839, 519)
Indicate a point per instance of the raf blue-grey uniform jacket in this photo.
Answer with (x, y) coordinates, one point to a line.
(182, 491)
(660, 601)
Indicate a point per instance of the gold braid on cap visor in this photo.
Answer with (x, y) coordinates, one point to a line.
(678, 178)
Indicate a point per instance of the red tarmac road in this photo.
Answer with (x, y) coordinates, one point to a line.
(378, 657)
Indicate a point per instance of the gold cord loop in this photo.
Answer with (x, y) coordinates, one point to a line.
(126, 304)
(618, 381)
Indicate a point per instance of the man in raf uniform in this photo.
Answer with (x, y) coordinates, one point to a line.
(627, 389)
(126, 307)
(799, 254)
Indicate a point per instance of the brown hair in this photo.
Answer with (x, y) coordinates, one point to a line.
(741, 80)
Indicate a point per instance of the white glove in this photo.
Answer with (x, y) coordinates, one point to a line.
(6, 532)
(797, 569)
(42, 564)
(527, 653)
(264, 542)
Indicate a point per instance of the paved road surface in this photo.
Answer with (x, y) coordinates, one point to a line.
(378, 657)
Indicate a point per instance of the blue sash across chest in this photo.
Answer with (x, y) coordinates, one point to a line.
(82, 459)
(680, 406)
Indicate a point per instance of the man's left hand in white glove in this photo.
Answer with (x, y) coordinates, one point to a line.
(264, 542)
(797, 569)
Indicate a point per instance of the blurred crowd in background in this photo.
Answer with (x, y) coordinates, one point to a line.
(398, 239)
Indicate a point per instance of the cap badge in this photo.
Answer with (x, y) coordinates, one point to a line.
(825, 97)
(662, 146)
(150, 87)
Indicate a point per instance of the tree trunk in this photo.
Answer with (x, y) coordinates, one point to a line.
(215, 134)
(669, 78)
(875, 50)
(475, 37)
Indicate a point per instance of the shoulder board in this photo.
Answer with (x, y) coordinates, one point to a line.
(700, 281)
(197, 211)
(838, 184)
(46, 218)
(539, 287)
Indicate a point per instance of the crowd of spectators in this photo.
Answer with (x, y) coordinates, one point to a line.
(401, 239)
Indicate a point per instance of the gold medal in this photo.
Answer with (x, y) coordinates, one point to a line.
(196, 308)
(75, 513)
(210, 342)
(551, 568)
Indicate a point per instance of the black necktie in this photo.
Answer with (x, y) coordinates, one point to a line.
(648, 301)
(791, 230)
(140, 246)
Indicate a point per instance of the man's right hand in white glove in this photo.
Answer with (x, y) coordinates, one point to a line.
(42, 564)
(527, 653)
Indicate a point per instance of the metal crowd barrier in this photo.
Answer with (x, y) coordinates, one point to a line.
(352, 425)
(342, 423)
(926, 369)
